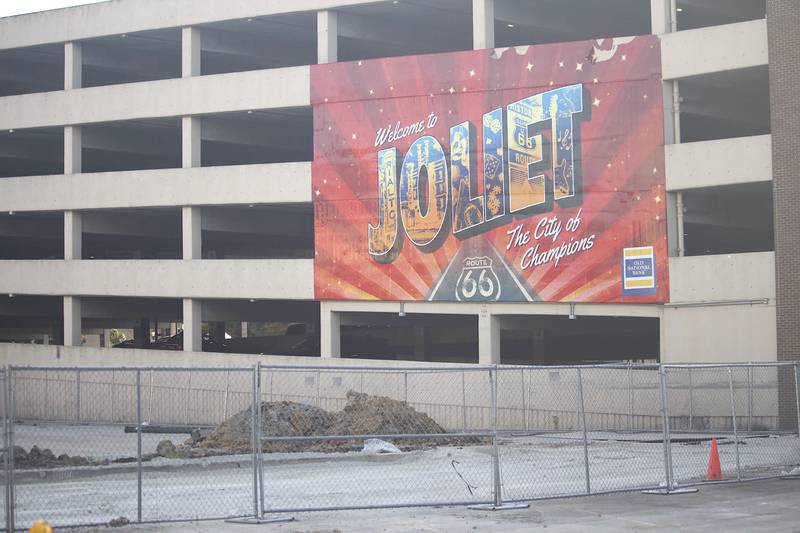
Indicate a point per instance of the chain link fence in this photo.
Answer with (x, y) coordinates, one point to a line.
(88, 446)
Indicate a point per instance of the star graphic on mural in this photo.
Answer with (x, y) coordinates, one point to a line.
(451, 90)
(579, 66)
(529, 66)
(596, 102)
(594, 80)
(560, 64)
(371, 91)
(658, 199)
(645, 96)
(354, 136)
(624, 57)
(471, 73)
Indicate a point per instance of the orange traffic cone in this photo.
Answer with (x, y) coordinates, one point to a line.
(714, 468)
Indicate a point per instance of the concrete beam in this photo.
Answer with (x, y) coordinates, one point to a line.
(715, 49)
(113, 18)
(291, 279)
(327, 37)
(192, 325)
(72, 321)
(719, 162)
(258, 89)
(239, 184)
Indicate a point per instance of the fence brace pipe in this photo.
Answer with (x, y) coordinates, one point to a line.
(583, 427)
(497, 494)
(735, 432)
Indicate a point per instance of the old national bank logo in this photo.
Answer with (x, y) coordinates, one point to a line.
(426, 199)
(478, 281)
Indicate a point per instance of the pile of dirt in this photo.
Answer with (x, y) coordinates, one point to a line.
(362, 415)
(278, 419)
(45, 458)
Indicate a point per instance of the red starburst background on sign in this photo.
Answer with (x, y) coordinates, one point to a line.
(620, 155)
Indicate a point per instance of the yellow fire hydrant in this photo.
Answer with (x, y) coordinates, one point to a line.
(40, 526)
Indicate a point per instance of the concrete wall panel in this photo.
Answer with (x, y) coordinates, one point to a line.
(714, 49)
(259, 279)
(722, 277)
(238, 91)
(719, 162)
(239, 184)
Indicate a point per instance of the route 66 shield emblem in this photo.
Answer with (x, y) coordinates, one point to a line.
(478, 282)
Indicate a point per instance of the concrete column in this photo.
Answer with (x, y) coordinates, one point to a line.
(73, 66)
(482, 24)
(192, 232)
(191, 142)
(141, 334)
(662, 16)
(192, 325)
(330, 332)
(72, 321)
(420, 342)
(217, 331)
(191, 47)
(488, 338)
(73, 146)
(73, 235)
(327, 37)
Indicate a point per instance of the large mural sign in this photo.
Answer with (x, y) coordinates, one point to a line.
(521, 174)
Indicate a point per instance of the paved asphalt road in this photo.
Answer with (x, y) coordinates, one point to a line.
(756, 506)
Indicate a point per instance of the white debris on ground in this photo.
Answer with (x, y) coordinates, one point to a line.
(793, 472)
(379, 446)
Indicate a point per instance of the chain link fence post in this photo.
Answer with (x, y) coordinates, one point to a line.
(463, 402)
(9, 415)
(750, 397)
(630, 396)
(733, 417)
(78, 395)
(797, 395)
(691, 400)
(139, 446)
(254, 440)
(583, 427)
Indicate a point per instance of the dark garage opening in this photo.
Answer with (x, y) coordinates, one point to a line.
(414, 337)
(551, 340)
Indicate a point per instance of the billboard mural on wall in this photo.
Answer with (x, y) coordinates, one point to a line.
(530, 173)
